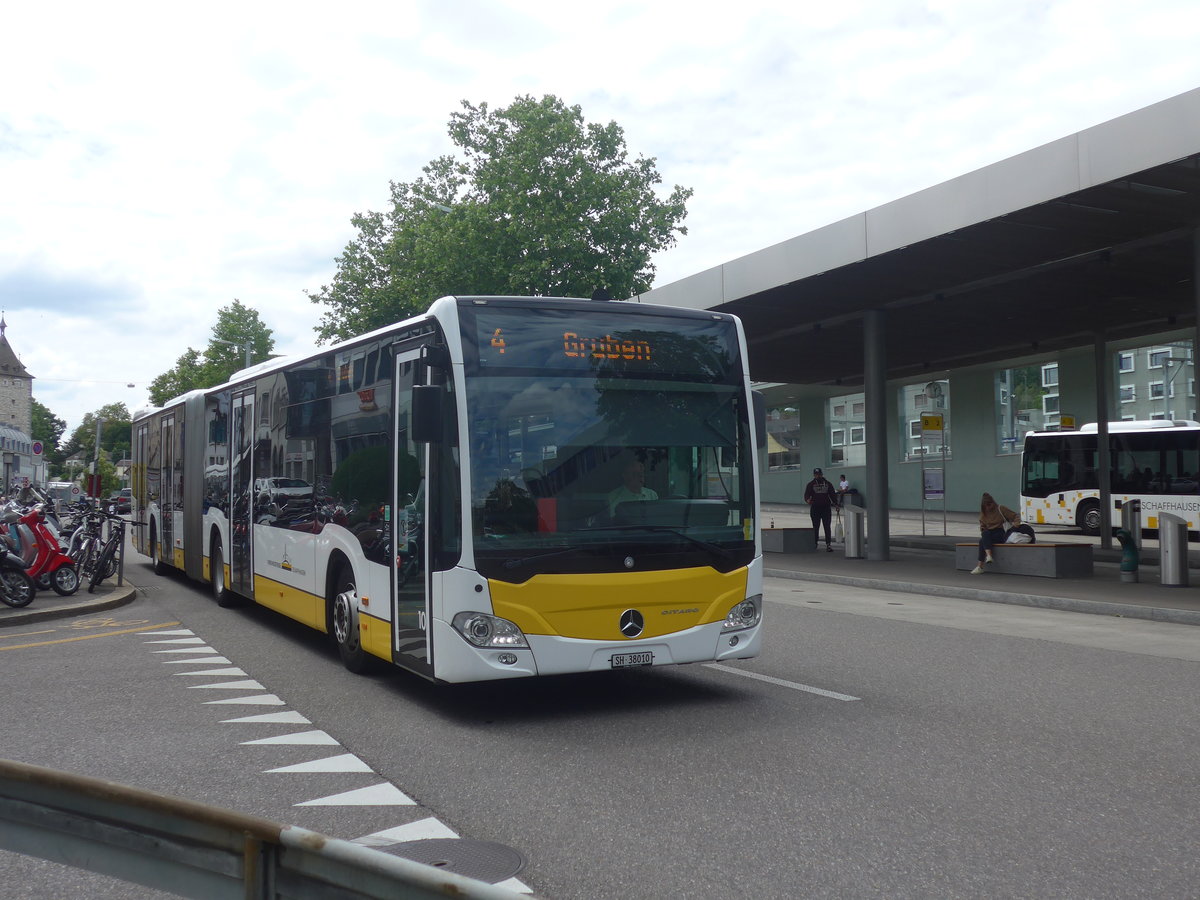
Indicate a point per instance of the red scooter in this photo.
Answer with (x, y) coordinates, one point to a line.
(45, 561)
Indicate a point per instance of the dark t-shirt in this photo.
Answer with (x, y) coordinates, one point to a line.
(820, 493)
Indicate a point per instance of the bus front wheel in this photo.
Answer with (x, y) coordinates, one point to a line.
(343, 620)
(1088, 517)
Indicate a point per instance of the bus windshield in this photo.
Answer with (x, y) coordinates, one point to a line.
(595, 464)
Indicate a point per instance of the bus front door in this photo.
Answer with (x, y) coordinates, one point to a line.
(411, 612)
(241, 503)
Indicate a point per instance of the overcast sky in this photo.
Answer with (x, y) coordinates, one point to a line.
(159, 160)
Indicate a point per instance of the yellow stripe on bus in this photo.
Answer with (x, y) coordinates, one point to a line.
(376, 636)
(590, 606)
(292, 602)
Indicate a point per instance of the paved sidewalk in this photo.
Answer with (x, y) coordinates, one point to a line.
(49, 605)
(923, 563)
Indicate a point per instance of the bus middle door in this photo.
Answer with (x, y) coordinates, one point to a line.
(410, 621)
(241, 505)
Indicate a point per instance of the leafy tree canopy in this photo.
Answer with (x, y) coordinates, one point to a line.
(540, 203)
(236, 324)
(47, 427)
(114, 436)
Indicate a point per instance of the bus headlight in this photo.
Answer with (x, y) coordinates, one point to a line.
(483, 630)
(745, 614)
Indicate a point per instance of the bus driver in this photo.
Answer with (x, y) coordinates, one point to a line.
(633, 486)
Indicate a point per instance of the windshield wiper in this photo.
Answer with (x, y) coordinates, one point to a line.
(719, 552)
(517, 562)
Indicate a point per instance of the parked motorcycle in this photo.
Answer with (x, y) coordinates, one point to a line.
(39, 549)
(16, 588)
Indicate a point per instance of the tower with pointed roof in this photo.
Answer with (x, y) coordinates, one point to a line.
(16, 387)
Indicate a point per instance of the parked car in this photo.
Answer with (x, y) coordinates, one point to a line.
(122, 500)
(282, 490)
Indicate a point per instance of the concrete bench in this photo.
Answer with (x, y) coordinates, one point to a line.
(788, 540)
(1045, 560)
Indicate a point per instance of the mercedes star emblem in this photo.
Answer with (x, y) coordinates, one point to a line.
(632, 623)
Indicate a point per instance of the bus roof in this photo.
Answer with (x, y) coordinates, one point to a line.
(1139, 425)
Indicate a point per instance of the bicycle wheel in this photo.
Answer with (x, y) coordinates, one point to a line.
(100, 567)
(88, 553)
(17, 588)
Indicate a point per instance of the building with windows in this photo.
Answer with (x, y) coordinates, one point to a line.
(16, 414)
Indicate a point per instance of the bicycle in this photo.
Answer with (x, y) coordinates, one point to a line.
(85, 543)
(105, 565)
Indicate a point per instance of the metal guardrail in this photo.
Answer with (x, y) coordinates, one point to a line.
(200, 851)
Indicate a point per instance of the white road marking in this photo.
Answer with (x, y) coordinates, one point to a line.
(308, 738)
(794, 685)
(283, 718)
(421, 830)
(344, 762)
(187, 650)
(191, 661)
(248, 685)
(379, 795)
(258, 700)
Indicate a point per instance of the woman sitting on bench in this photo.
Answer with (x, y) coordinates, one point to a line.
(992, 519)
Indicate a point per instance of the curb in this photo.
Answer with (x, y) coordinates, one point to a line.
(116, 597)
(1067, 604)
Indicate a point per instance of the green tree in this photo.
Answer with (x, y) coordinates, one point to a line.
(114, 435)
(541, 203)
(48, 428)
(236, 324)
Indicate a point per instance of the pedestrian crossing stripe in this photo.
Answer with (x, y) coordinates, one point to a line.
(231, 671)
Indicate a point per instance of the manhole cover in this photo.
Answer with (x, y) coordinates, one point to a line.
(481, 860)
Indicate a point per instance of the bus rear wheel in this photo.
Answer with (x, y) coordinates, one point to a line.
(157, 566)
(1088, 517)
(224, 597)
(343, 621)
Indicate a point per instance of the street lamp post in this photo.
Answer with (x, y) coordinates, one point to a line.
(237, 346)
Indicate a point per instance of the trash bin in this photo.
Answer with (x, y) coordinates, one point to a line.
(855, 529)
(1173, 547)
(1131, 520)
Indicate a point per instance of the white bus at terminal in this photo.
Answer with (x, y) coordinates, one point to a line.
(1156, 462)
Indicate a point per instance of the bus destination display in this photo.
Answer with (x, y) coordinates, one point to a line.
(563, 340)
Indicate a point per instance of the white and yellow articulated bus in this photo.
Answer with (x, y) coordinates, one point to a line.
(502, 487)
(1156, 462)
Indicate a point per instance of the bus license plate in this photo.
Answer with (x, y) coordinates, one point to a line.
(625, 660)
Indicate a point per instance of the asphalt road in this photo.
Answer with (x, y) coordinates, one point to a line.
(884, 745)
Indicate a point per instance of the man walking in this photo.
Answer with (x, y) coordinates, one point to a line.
(820, 496)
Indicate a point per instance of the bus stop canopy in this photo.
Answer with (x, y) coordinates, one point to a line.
(1091, 236)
